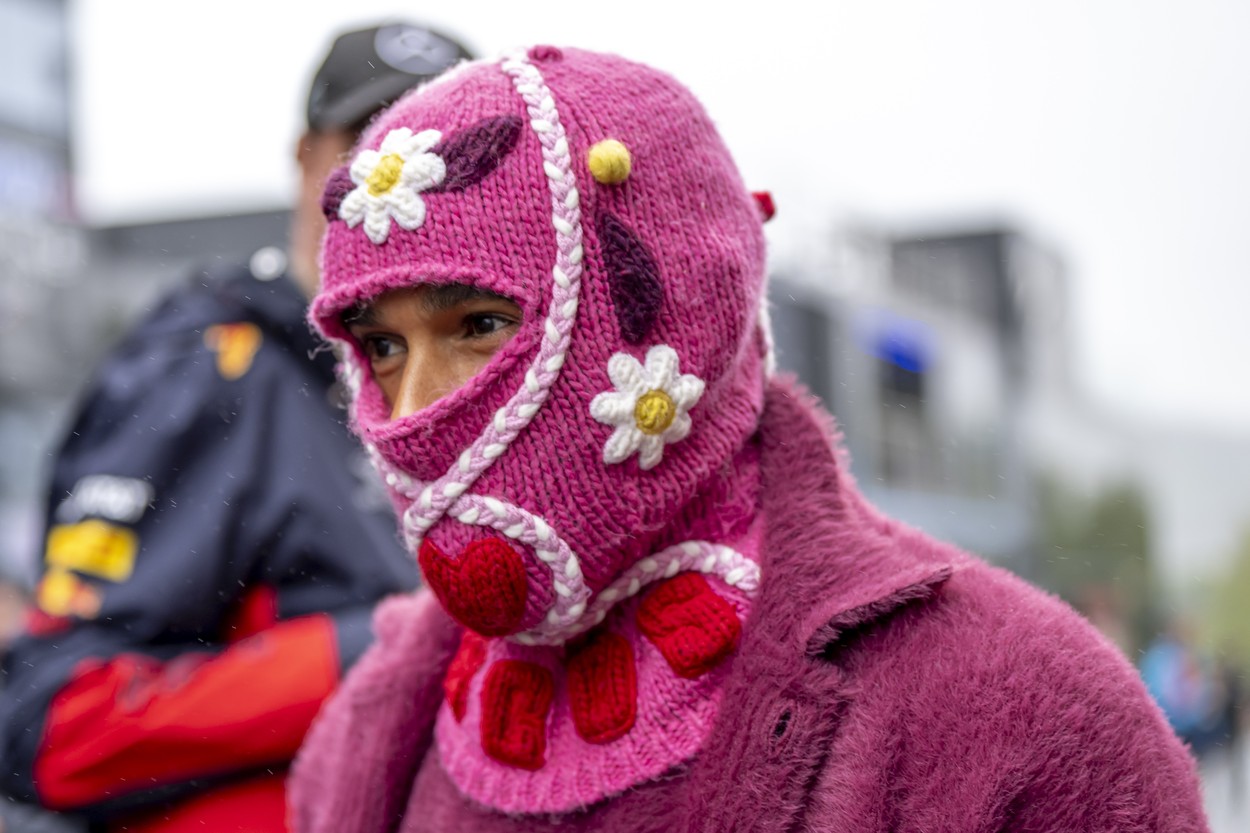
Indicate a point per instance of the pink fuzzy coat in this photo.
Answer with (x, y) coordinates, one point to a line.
(885, 682)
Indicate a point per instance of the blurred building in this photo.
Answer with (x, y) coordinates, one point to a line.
(946, 357)
(930, 349)
(41, 253)
(68, 293)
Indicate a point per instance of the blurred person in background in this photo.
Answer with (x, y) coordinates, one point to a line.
(1186, 686)
(1232, 727)
(213, 552)
(656, 599)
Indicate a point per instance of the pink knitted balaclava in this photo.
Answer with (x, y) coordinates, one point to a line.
(586, 505)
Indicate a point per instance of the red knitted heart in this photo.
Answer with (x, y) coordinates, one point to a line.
(516, 696)
(484, 589)
(468, 660)
(603, 687)
(693, 627)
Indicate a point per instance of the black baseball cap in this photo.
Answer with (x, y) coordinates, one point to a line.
(367, 69)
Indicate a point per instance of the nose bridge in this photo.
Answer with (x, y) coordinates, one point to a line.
(414, 391)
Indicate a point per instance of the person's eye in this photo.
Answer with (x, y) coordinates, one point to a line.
(378, 347)
(482, 324)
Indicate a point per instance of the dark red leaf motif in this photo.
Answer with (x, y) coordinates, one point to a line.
(633, 278)
(474, 152)
(338, 186)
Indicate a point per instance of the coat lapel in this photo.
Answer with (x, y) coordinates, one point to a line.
(831, 565)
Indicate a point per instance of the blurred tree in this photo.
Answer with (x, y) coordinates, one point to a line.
(1225, 618)
(1096, 555)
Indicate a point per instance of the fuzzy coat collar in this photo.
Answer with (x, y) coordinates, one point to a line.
(831, 561)
(831, 567)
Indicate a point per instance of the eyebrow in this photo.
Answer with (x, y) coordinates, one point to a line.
(438, 298)
(442, 297)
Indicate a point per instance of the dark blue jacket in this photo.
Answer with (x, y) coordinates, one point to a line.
(216, 541)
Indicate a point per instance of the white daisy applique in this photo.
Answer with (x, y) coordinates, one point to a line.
(649, 407)
(389, 182)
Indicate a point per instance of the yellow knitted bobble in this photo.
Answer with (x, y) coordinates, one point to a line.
(609, 162)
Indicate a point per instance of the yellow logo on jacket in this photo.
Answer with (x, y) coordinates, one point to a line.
(235, 346)
(61, 593)
(90, 548)
(93, 548)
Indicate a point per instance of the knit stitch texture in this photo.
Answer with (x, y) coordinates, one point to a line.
(590, 499)
(683, 252)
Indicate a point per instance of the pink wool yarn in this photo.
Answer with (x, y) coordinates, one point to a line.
(608, 442)
(684, 199)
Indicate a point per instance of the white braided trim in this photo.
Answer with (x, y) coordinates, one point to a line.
(574, 612)
(726, 563)
(434, 499)
(567, 581)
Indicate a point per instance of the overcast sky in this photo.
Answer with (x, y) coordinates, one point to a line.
(1118, 131)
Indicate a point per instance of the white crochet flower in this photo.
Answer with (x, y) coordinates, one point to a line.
(649, 406)
(389, 181)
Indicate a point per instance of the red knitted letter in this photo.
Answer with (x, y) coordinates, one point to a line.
(515, 699)
(460, 673)
(603, 687)
(694, 628)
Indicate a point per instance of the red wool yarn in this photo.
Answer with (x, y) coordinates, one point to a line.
(484, 588)
(516, 697)
(693, 627)
(603, 687)
(467, 662)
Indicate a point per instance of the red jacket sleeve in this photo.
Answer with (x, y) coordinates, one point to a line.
(132, 723)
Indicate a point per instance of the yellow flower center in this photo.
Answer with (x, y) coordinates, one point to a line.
(654, 412)
(385, 174)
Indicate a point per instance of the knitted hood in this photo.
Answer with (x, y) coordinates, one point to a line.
(597, 195)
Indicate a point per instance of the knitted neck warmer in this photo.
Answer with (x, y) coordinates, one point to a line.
(586, 506)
